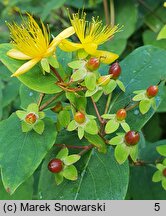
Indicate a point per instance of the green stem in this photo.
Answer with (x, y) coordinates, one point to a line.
(132, 107)
(112, 13)
(106, 11)
(50, 101)
(108, 103)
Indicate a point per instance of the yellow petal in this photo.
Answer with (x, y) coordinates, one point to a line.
(14, 53)
(69, 46)
(106, 57)
(26, 67)
(64, 34)
(90, 48)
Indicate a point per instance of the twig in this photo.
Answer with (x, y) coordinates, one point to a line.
(112, 13)
(131, 107)
(106, 11)
(97, 111)
(50, 101)
(56, 74)
(71, 147)
(85, 150)
(41, 98)
(108, 103)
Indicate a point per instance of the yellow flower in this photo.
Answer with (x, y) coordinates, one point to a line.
(33, 43)
(91, 35)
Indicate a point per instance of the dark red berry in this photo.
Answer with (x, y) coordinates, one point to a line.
(57, 108)
(164, 172)
(132, 138)
(152, 91)
(121, 114)
(79, 117)
(93, 64)
(31, 118)
(55, 165)
(115, 70)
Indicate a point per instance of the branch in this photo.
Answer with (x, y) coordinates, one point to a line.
(41, 98)
(97, 112)
(56, 74)
(106, 11)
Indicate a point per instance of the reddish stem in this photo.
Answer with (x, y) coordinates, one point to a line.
(56, 74)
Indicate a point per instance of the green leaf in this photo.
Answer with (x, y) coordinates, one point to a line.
(71, 159)
(62, 153)
(134, 152)
(70, 173)
(33, 108)
(121, 153)
(110, 87)
(45, 65)
(97, 141)
(125, 126)
(138, 74)
(162, 33)
(80, 132)
(116, 140)
(25, 150)
(144, 106)
(64, 118)
(111, 126)
(21, 114)
(25, 127)
(78, 75)
(78, 100)
(139, 96)
(52, 60)
(39, 126)
(58, 178)
(90, 81)
(100, 178)
(141, 176)
(24, 192)
(164, 184)
(75, 64)
(91, 127)
(97, 95)
(162, 150)
(72, 126)
(34, 78)
(121, 85)
(157, 176)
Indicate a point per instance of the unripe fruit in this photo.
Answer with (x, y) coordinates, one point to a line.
(103, 80)
(115, 70)
(93, 64)
(31, 118)
(152, 91)
(164, 172)
(132, 138)
(57, 108)
(79, 117)
(55, 165)
(121, 114)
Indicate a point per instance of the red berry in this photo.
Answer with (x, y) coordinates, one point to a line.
(79, 117)
(115, 70)
(55, 165)
(164, 172)
(121, 114)
(132, 138)
(152, 91)
(93, 64)
(31, 118)
(57, 108)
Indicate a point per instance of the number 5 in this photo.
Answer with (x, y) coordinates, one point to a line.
(157, 206)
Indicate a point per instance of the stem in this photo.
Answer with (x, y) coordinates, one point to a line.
(106, 11)
(40, 99)
(131, 107)
(56, 74)
(97, 111)
(50, 101)
(108, 103)
(71, 89)
(71, 147)
(86, 150)
(112, 13)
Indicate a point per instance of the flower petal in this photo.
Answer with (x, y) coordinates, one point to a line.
(106, 57)
(14, 53)
(64, 34)
(90, 48)
(25, 67)
(69, 46)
